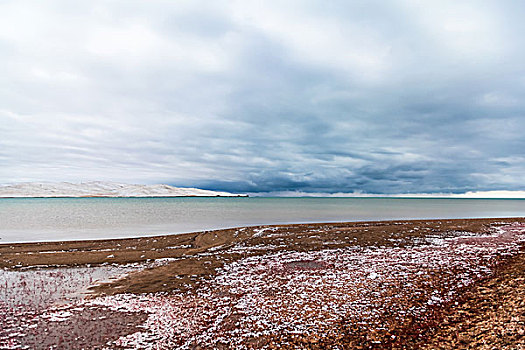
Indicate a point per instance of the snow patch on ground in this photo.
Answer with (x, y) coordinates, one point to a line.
(278, 293)
(310, 292)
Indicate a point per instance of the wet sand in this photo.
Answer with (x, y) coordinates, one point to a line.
(371, 285)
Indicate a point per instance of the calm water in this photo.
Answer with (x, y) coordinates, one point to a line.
(35, 219)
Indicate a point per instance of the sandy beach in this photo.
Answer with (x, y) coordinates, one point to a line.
(365, 285)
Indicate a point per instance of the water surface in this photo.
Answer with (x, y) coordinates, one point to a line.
(51, 219)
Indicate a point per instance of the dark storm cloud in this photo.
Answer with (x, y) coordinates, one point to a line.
(359, 96)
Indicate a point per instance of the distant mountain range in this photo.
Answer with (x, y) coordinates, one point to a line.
(102, 189)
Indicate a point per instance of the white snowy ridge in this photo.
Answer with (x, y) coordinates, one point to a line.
(102, 189)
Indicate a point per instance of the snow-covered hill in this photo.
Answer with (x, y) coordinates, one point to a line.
(102, 189)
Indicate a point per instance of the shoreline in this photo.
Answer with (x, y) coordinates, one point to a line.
(108, 240)
(74, 247)
(204, 268)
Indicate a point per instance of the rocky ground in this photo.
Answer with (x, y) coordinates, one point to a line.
(490, 315)
(435, 284)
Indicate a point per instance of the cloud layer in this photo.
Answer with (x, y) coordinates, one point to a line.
(256, 96)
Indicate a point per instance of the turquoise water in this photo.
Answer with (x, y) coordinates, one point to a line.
(50, 219)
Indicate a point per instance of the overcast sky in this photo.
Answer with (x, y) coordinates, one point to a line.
(313, 96)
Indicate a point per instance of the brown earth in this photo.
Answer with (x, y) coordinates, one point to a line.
(191, 265)
(87, 328)
(490, 314)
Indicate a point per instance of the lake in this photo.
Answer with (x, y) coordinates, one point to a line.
(52, 219)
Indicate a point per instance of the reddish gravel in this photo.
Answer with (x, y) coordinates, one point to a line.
(387, 285)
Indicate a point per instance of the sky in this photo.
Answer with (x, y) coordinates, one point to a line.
(373, 97)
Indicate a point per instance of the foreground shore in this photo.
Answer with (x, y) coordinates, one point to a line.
(371, 285)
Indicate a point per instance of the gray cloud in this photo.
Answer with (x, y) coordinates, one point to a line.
(404, 97)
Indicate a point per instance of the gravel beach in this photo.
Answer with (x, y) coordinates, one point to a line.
(433, 284)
